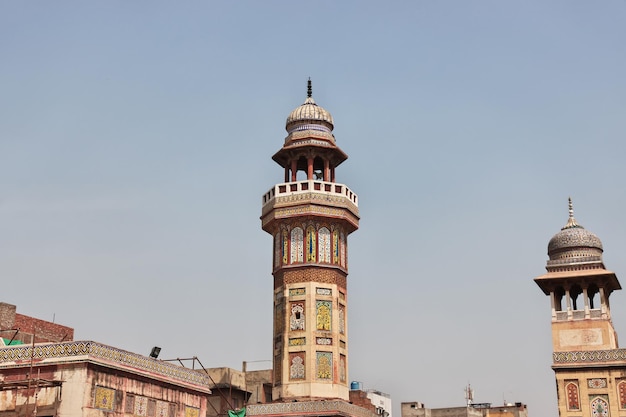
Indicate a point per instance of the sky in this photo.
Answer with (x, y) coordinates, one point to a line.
(136, 141)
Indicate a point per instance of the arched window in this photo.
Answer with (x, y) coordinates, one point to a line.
(571, 390)
(311, 240)
(621, 391)
(324, 245)
(297, 245)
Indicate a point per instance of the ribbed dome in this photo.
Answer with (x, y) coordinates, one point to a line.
(574, 237)
(574, 244)
(309, 116)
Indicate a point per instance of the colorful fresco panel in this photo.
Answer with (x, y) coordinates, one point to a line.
(141, 406)
(336, 246)
(311, 240)
(104, 398)
(192, 411)
(296, 365)
(162, 409)
(323, 318)
(324, 365)
(599, 406)
(285, 245)
(296, 319)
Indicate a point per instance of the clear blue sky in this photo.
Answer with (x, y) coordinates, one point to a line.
(136, 142)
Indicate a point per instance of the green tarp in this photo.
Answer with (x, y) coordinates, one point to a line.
(240, 413)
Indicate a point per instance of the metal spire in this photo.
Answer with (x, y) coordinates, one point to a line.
(309, 91)
(571, 221)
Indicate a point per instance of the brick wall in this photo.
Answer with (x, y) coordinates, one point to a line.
(358, 397)
(45, 331)
(310, 273)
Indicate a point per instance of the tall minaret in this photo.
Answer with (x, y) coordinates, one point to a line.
(588, 366)
(310, 220)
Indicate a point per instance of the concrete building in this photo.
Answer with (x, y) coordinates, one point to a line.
(89, 379)
(589, 367)
(233, 389)
(381, 402)
(40, 375)
(310, 219)
(417, 409)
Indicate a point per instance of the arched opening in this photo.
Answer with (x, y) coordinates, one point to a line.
(559, 293)
(301, 169)
(574, 293)
(593, 294)
(319, 172)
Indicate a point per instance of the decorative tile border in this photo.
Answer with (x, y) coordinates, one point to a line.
(11, 354)
(308, 407)
(612, 355)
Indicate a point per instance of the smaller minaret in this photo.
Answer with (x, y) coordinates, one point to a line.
(579, 287)
(588, 366)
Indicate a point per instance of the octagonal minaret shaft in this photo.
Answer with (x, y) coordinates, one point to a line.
(310, 220)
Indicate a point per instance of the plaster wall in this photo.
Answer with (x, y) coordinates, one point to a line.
(583, 335)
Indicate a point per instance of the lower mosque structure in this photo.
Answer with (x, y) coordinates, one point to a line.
(589, 367)
(90, 379)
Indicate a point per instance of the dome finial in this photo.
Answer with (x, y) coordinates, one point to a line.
(571, 207)
(309, 90)
(571, 221)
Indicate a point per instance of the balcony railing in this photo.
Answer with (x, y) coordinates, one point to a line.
(595, 313)
(310, 186)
